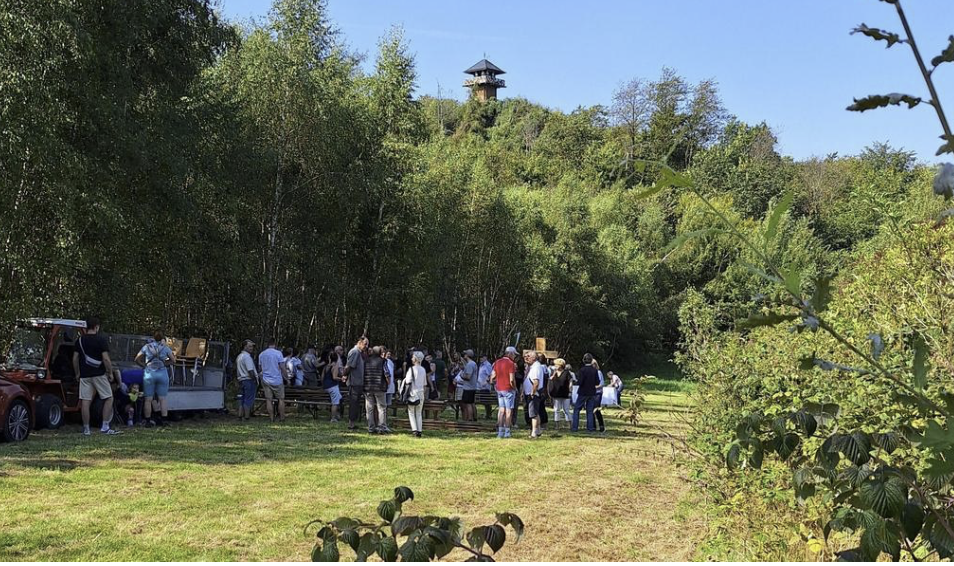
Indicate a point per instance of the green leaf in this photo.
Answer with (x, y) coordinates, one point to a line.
(515, 523)
(826, 456)
(948, 146)
(405, 525)
(733, 456)
(883, 100)
(938, 473)
(786, 445)
(784, 203)
(936, 437)
(880, 536)
(387, 509)
(804, 493)
(327, 553)
(854, 476)
(938, 535)
(855, 446)
(441, 540)
(475, 538)
(878, 34)
(402, 494)
(885, 495)
(650, 192)
(912, 519)
(770, 319)
(793, 281)
(887, 441)
(682, 239)
(761, 273)
(417, 548)
(920, 362)
(388, 549)
(805, 422)
(821, 296)
(343, 523)
(670, 178)
(946, 56)
(351, 538)
(495, 535)
(367, 546)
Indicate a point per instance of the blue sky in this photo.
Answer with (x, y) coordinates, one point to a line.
(790, 63)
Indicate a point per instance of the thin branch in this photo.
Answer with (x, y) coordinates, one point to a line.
(935, 100)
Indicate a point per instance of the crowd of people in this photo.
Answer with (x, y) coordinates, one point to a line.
(373, 377)
(366, 375)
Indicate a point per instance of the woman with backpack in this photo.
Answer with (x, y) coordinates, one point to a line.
(559, 391)
(156, 357)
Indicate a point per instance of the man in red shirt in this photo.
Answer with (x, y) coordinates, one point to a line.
(503, 377)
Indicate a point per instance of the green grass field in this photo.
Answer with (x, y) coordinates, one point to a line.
(215, 489)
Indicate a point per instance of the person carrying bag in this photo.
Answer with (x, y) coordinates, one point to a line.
(413, 393)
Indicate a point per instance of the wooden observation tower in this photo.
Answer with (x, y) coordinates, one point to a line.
(484, 82)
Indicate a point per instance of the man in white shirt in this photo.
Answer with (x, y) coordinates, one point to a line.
(247, 379)
(531, 391)
(274, 377)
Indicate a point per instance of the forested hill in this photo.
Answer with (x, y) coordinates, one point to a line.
(164, 168)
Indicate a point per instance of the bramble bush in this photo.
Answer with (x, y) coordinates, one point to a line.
(842, 380)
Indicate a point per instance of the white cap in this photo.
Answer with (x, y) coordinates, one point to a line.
(510, 350)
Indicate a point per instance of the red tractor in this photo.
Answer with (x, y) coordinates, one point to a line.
(40, 360)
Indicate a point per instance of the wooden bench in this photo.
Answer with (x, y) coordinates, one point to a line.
(312, 399)
(486, 398)
(432, 409)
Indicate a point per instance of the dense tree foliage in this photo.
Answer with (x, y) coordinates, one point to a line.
(164, 168)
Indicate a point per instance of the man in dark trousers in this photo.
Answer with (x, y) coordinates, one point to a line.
(354, 371)
(588, 379)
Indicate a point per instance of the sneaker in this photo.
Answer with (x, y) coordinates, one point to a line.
(506, 433)
(500, 432)
(112, 431)
(149, 424)
(384, 430)
(335, 419)
(417, 433)
(86, 431)
(372, 431)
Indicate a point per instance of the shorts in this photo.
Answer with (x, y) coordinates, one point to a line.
(533, 406)
(335, 394)
(505, 399)
(468, 397)
(247, 387)
(155, 383)
(277, 391)
(98, 385)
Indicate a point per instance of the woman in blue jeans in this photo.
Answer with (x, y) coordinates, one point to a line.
(156, 357)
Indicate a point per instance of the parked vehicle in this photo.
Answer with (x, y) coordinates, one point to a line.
(40, 361)
(16, 412)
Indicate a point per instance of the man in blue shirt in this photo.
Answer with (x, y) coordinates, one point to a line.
(274, 375)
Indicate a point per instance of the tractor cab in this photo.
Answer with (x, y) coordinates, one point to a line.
(40, 359)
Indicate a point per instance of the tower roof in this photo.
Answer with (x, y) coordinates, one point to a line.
(484, 65)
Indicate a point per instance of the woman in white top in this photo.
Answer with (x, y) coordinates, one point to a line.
(416, 380)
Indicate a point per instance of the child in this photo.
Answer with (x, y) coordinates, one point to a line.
(131, 407)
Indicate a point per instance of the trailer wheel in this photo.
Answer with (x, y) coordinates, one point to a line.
(49, 412)
(16, 423)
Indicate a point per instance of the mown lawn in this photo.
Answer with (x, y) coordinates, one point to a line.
(218, 490)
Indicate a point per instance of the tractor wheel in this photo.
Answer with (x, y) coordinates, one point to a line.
(49, 412)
